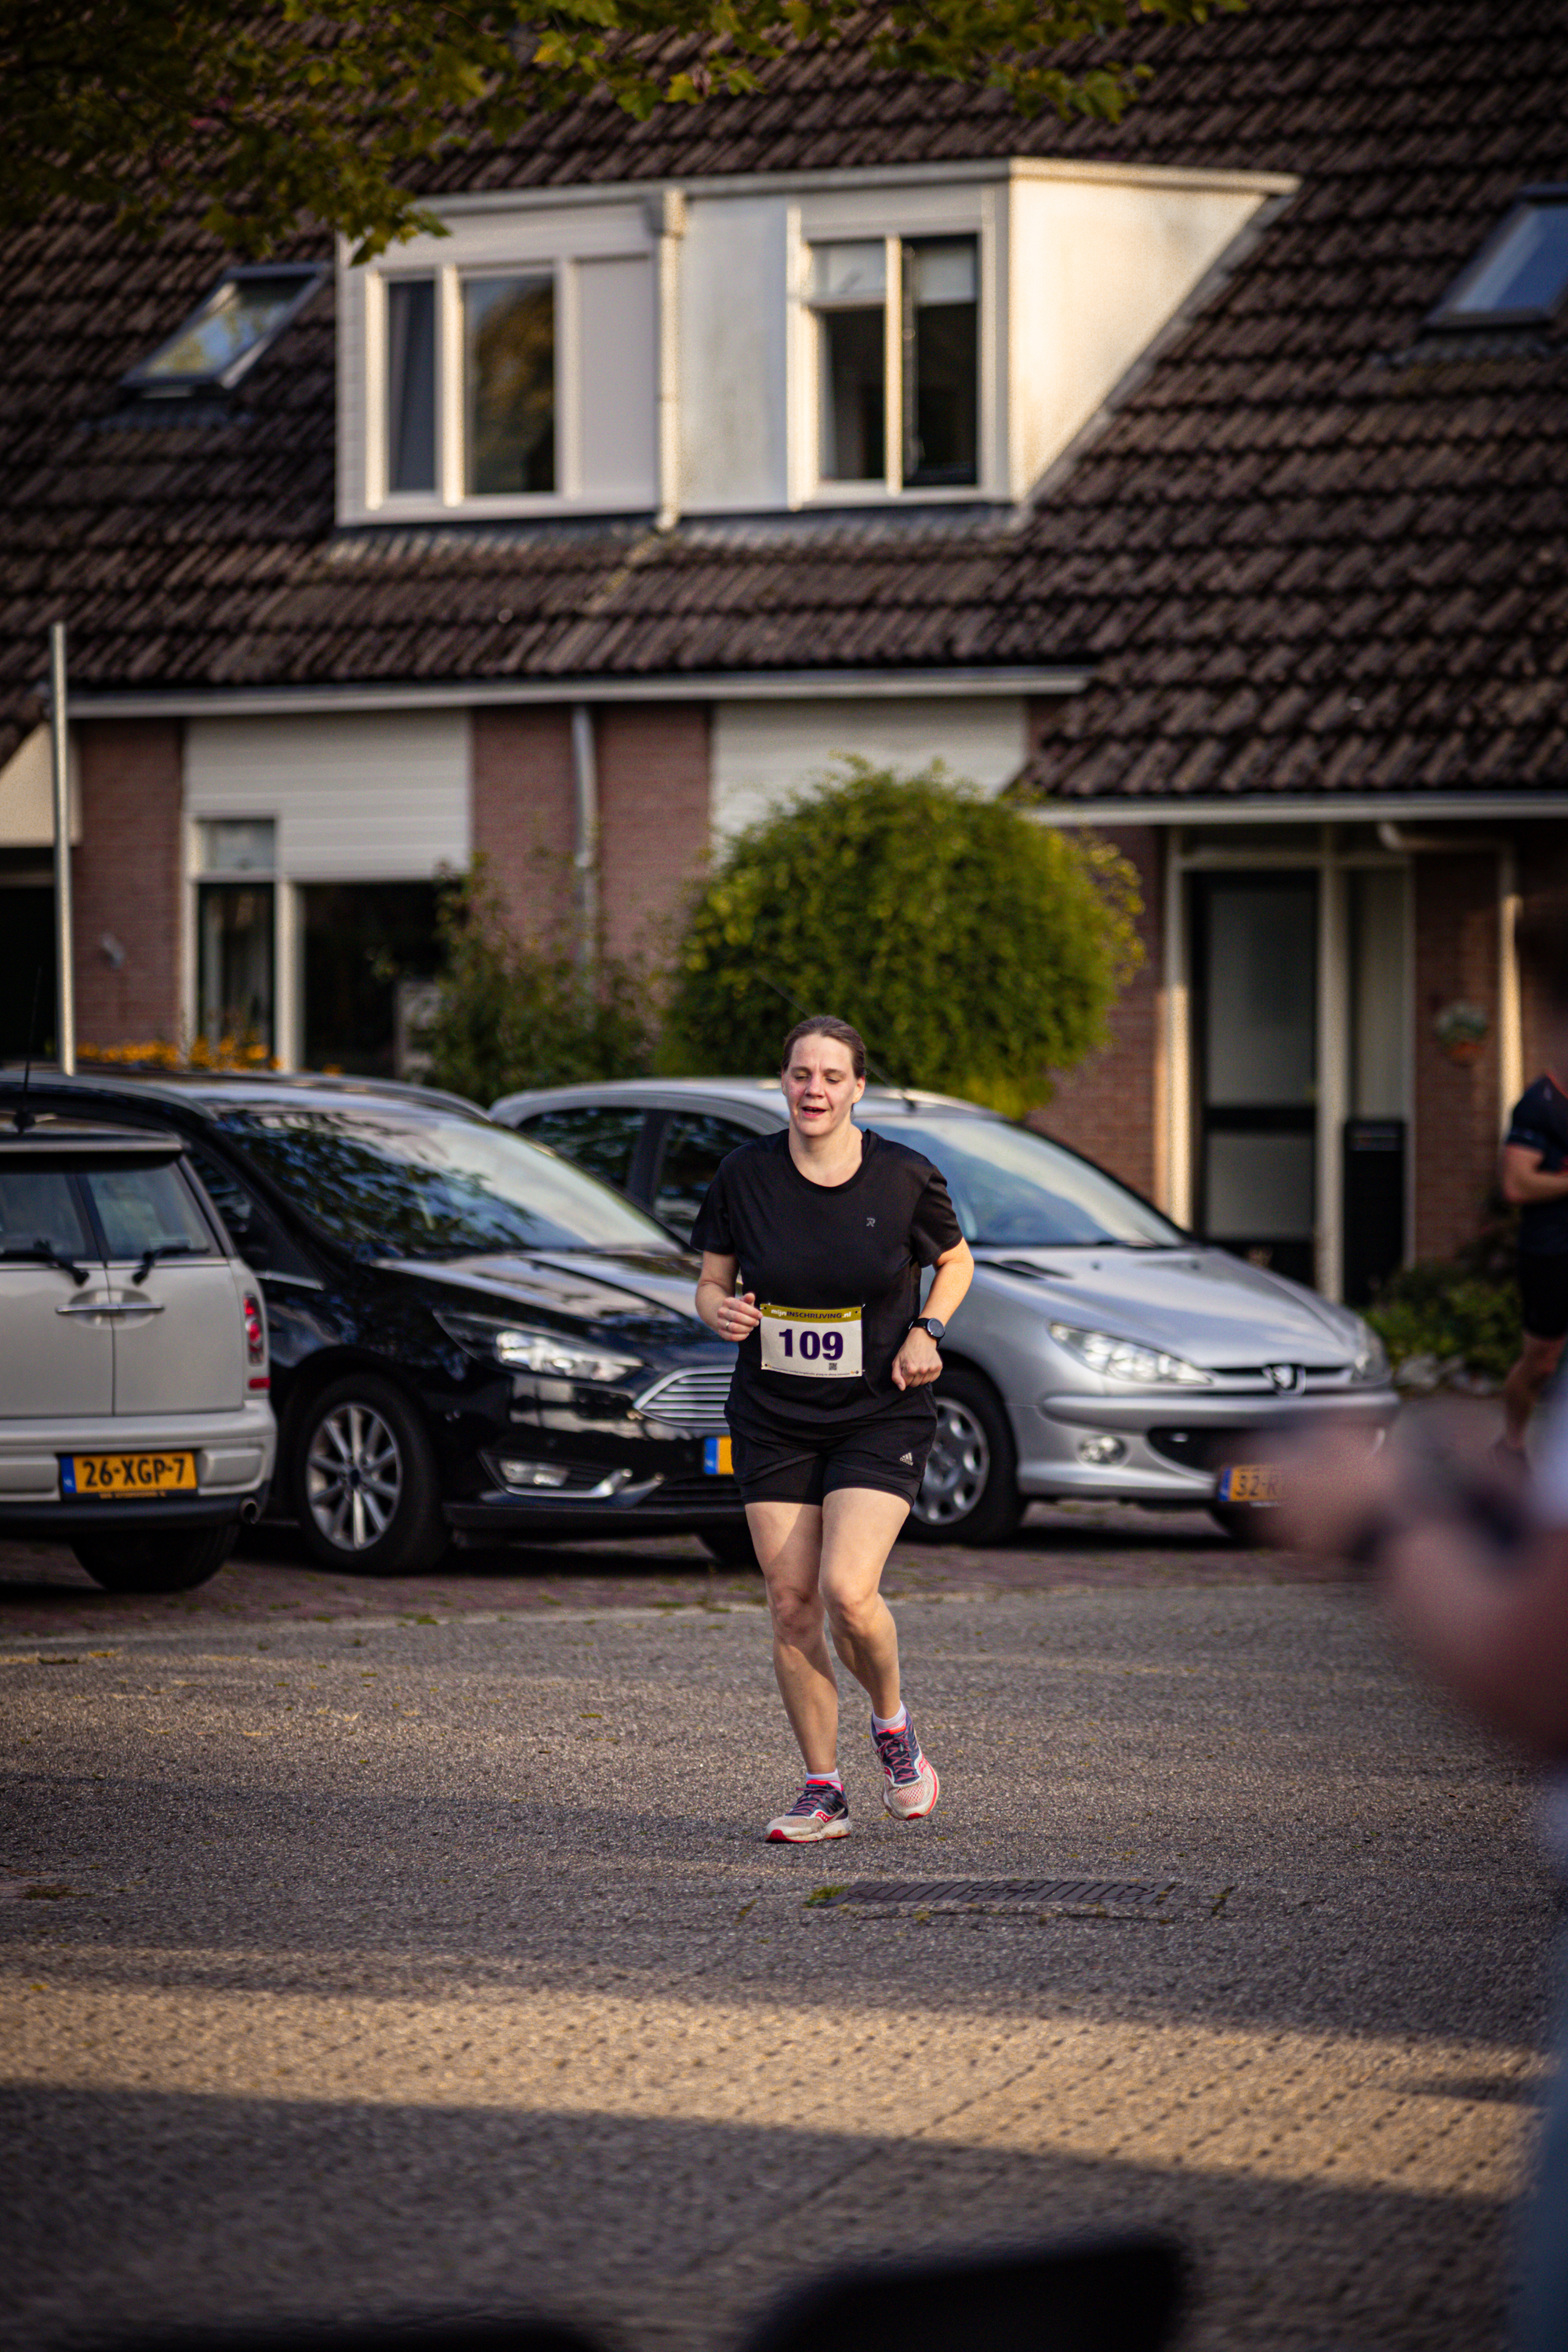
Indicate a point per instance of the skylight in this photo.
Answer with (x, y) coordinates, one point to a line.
(247, 310)
(1520, 275)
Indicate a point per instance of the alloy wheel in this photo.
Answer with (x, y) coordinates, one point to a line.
(957, 1468)
(353, 1477)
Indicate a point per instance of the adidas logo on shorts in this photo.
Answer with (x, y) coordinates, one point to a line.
(909, 1458)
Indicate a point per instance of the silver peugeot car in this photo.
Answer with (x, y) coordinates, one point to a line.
(1101, 1352)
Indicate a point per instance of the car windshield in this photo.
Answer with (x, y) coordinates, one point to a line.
(398, 1180)
(1014, 1190)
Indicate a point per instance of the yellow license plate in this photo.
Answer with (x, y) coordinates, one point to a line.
(128, 1473)
(718, 1457)
(1252, 1482)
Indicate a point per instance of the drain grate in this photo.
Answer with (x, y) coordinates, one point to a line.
(1086, 1898)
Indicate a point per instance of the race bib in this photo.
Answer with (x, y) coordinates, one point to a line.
(817, 1343)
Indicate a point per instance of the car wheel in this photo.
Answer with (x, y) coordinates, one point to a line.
(969, 1491)
(158, 1559)
(364, 1482)
(731, 1547)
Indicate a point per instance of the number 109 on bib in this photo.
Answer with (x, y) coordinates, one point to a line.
(812, 1342)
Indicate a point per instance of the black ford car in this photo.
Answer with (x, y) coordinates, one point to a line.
(468, 1334)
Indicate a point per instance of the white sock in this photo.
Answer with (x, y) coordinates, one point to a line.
(832, 1779)
(893, 1723)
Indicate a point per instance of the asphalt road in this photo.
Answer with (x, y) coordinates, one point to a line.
(372, 1950)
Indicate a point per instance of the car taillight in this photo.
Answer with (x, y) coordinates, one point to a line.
(255, 1341)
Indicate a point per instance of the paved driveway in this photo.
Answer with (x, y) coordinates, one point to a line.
(379, 1950)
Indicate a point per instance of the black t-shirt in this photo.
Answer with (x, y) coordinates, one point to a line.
(1540, 1123)
(861, 1243)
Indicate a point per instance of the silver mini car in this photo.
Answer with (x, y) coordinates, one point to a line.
(1101, 1352)
(135, 1424)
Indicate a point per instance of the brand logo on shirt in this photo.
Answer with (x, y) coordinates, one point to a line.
(870, 1221)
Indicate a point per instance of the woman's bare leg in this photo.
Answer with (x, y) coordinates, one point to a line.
(859, 1527)
(788, 1540)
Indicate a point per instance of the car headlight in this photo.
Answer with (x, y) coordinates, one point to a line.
(1123, 1360)
(1369, 1365)
(522, 1347)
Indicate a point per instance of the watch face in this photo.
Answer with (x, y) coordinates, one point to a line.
(935, 1325)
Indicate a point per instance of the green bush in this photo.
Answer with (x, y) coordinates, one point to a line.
(1455, 1321)
(975, 950)
(516, 1012)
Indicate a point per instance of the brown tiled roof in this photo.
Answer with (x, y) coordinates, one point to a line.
(1315, 547)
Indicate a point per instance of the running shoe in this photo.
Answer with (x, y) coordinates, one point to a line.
(820, 1811)
(909, 1785)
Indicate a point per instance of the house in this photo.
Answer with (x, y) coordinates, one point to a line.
(1199, 480)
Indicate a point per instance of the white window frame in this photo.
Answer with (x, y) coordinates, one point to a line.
(550, 243)
(895, 216)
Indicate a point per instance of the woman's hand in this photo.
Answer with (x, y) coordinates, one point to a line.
(733, 1318)
(917, 1361)
(717, 1304)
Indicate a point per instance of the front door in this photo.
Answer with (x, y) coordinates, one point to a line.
(1256, 942)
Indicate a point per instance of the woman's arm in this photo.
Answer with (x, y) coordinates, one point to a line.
(917, 1361)
(717, 1304)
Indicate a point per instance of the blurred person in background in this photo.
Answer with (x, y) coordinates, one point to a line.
(1473, 1561)
(1534, 1178)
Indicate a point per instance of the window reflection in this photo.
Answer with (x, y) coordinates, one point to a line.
(411, 383)
(600, 1140)
(234, 954)
(693, 1147)
(146, 1208)
(39, 1205)
(509, 350)
(407, 1185)
(848, 285)
(942, 361)
(1010, 1187)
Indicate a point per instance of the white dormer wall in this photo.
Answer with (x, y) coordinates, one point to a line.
(1099, 260)
(685, 364)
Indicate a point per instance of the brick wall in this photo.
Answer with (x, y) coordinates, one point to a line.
(1107, 1107)
(1457, 1122)
(125, 880)
(653, 772)
(522, 808)
(653, 817)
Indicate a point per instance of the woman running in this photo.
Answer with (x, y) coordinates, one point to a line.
(829, 1224)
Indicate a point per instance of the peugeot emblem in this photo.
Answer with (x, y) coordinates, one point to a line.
(1284, 1376)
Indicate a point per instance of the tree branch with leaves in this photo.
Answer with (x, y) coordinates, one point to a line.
(265, 117)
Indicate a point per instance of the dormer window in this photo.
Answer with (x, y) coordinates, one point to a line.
(411, 383)
(897, 347)
(508, 355)
(221, 341)
(508, 368)
(1519, 277)
(753, 346)
(508, 384)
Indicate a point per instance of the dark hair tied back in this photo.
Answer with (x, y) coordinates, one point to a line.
(827, 1024)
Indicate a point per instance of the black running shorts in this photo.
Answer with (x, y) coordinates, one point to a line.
(1543, 1293)
(888, 1454)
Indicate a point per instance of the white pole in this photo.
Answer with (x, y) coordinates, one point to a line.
(1509, 1018)
(65, 973)
(586, 830)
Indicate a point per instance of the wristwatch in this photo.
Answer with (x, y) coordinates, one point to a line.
(932, 1323)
